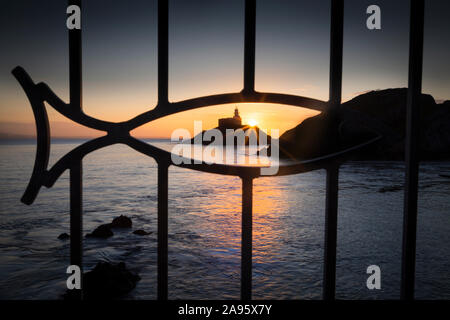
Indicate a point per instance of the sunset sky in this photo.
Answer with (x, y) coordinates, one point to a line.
(206, 57)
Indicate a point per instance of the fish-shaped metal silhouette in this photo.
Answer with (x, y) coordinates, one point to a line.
(120, 133)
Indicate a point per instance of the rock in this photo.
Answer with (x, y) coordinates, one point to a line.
(141, 232)
(381, 111)
(64, 236)
(108, 281)
(121, 222)
(102, 231)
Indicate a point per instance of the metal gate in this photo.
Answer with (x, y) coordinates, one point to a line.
(120, 133)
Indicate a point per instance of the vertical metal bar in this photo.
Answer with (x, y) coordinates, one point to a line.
(76, 169)
(75, 63)
(332, 183)
(246, 246)
(163, 185)
(336, 48)
(163, 52)
(411, 148)
(331, 208)
(163, 167)
(249, 46)
(76, 217)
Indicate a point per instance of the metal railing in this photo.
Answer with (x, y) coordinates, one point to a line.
(120, 133)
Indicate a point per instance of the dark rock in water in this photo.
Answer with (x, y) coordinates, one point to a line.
(141, 232)
(390, 189)
(121, 222)
(444, 175)
(108, 281)
(102, 231)
(382, 112)
(64, 236)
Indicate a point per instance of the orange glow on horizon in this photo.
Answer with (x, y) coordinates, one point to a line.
(265, 116)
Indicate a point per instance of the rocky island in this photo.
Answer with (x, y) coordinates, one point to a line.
(230, 127)
(380, 112)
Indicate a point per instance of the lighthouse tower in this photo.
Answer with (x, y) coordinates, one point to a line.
(236, 115)
(231, 123)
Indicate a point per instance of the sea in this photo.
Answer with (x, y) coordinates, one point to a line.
(205, 228)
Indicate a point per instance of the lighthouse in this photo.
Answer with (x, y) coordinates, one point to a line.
(236, 115)
(231, 123)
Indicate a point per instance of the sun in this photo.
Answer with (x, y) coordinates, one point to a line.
(252, 122)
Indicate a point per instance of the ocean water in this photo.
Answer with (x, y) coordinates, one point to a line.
(205, 234)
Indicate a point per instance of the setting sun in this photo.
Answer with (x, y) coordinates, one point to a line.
(252, 122)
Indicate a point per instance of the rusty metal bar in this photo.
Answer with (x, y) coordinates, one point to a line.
(412, 148)
(163, 52)
(163, 185)
(247, 230)
(332, 184)
(249, 46)
(76, 169)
